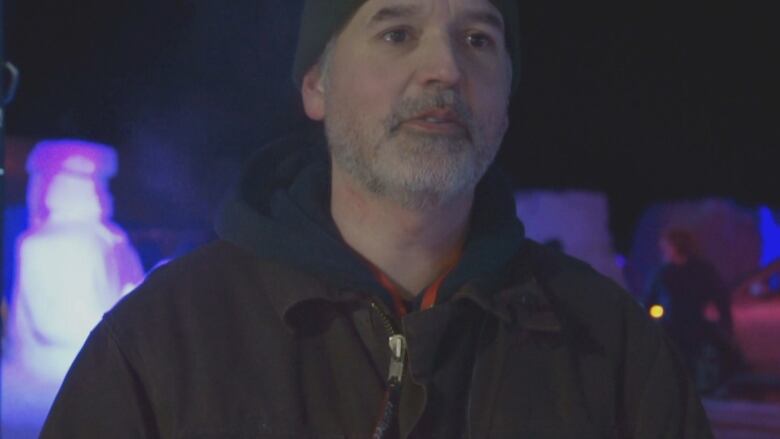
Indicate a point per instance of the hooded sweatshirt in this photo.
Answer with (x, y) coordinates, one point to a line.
(280, 210)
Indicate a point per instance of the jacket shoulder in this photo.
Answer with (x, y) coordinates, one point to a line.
(570, 279)
(216, 287)
(589, 300)
(623, 357)
(193, 274)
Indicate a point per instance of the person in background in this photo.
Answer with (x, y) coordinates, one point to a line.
(687, 285)
(374, 281)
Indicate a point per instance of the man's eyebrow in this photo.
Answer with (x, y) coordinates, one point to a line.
(487, 17)
(391, 12)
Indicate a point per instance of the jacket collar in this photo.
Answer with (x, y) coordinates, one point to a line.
(524, 305)
(291, 291)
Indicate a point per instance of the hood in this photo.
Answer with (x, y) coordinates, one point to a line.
(280, 210)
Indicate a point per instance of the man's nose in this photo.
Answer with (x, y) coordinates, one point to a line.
(440, 64)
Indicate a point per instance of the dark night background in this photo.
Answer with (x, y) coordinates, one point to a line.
(645, 101)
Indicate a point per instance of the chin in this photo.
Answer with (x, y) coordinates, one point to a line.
(425, 187)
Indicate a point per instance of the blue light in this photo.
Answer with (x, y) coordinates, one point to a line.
(770, 236)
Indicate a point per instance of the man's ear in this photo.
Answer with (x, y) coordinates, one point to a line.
(313, 93)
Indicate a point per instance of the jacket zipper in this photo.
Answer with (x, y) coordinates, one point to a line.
(397, 344)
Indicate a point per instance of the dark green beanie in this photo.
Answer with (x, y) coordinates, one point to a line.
(322, 19)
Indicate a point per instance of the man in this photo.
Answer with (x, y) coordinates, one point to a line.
(381, 286)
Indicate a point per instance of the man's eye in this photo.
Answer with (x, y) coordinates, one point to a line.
(396, 36)
(479, 40)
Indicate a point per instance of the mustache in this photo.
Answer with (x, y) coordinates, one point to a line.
(411, 107)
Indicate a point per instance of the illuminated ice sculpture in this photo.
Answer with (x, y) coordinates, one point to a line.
(73, 263)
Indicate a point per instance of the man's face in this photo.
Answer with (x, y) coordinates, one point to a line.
(414, 96)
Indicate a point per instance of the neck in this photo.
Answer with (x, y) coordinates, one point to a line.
(412, 247)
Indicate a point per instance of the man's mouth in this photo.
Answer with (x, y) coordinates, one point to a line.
(442, 121)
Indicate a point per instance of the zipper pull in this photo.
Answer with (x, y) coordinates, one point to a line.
(397, 355)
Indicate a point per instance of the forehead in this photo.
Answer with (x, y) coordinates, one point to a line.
(373, 11)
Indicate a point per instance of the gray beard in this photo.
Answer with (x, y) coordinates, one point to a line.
(418, 171)
(421, 185)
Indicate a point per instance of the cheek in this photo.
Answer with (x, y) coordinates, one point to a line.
(490, 110)
(491, 84)
(363, 93)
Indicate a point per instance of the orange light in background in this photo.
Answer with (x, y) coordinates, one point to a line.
(656, 311)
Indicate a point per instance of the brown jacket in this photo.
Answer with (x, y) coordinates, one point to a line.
(221, 344)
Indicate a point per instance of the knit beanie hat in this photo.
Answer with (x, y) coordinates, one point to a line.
(322, 19)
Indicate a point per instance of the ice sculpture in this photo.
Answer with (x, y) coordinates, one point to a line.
(73, 263)
(576, 222)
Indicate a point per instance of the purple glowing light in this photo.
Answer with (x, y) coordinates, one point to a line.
(620, 261)
(75, 160)
(73, 263)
